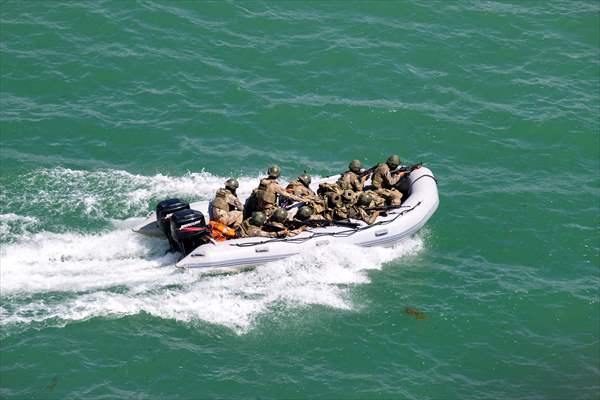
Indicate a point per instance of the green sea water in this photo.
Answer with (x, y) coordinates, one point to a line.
(107, 107)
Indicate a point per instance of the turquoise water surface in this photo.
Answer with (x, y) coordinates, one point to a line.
(107, 107)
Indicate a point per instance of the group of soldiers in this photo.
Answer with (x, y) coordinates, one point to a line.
(266, 214)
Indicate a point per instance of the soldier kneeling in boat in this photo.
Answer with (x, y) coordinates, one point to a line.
(350, 179)
(360, 211)
(254, 226)
(383, 181)
(306, 217)
(301, 187)
(278, 222)
(226, 208)
(264, 198)
(336, 210)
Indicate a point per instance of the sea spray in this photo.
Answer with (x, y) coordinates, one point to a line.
(118, 273)
(63, 199)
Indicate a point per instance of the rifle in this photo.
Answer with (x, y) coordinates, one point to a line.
(273, 228)
(308, 202)
(366, 171)
(407, 168)
(383, 208)
(322, 223)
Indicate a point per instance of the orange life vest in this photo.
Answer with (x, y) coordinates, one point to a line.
(221, 232)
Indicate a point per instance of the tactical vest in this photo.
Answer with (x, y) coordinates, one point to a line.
(244, 230)
(325, 188)
(220, 201)
(265, 198)
(298, 188)
(346, 180)
(377, 178)
(340, 213)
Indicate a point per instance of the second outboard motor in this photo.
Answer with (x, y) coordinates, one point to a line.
(164, 210)
(189, 230)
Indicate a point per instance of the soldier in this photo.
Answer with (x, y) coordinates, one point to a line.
(306, 217)
(226, 207)
(265, 195)
(350, 180)
(335, 208)
(253, 226)
(301, 186)
(358, 210)
(377, 200)
(325, 188)
(279, 223)
(383, 181)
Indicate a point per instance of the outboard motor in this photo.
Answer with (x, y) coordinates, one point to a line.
(189, 230)
(164, 210)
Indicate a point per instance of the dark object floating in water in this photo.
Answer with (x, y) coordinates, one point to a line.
(413, 312)
(52, 384)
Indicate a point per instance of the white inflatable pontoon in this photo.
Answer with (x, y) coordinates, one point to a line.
(389, 229)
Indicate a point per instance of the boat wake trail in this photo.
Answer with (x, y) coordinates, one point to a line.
(54, 278)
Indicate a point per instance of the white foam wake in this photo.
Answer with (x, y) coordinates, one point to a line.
(53, 278)
(101, 191)
(11, 223)
(49, 197)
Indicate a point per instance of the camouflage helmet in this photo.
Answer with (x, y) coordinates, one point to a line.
(333, 199)
(364, 199)
(274, 171)
(393, 161)
(258, 218)
(232, 184)
(280, 215)
(355, 166)
(304, 213)
(348, 196)
(305, 179)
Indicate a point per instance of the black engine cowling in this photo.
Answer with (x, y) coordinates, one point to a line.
(164, 210)
(188, 230)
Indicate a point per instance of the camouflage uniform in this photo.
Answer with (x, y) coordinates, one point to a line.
(325, 188)
(282, 229)
(336, 213)
(309, 197)
(266, 195)
(246, 229)
(378, 201)
(226, 208)
(383, 182)
(350, 181)
(356, 212)
(336, 210)
(305, 223)
(299, 189)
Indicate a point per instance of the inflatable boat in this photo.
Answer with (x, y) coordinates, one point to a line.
(389, 228)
